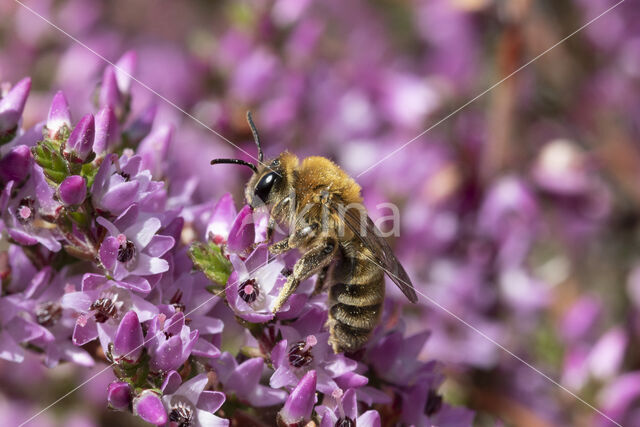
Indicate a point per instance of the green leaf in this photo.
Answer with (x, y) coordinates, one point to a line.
(89, 172)
(48, 156)
(209, 259)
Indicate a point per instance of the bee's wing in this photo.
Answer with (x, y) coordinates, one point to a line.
(364, 228)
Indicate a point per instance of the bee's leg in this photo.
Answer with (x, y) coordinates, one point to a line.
(279, 247)
(321, 280)
(310, 263)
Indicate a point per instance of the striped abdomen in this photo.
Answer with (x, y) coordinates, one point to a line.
(355, 300)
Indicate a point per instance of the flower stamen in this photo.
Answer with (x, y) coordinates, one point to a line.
(249, 291)
(300, 352)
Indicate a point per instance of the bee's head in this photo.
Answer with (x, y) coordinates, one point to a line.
(269, 182)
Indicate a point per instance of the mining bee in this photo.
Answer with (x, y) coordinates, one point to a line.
(322, 207)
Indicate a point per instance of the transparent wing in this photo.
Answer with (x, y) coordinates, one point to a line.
(370, 236)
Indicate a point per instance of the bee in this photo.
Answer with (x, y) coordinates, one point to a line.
(327, 223)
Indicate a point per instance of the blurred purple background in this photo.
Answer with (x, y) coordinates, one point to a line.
(520, 213)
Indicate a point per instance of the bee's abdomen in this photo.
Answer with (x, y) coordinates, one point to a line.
(355, 303)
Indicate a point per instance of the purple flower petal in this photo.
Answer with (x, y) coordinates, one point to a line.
(119, 197)
(242, 233)
(109, 95)
(125, 68)
(298, 406)
(9, 349)
(106, 131)
(171, 382)
(211, 401)
(59, 114)
(12, 105)
(80, 142)
(109, 252)
(119, 395)
(128, 342)
(16, 165)
(149, 407)
(73, 190)
(159, 245)
(85, 331)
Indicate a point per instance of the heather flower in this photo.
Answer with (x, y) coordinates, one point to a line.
(42, 301)
(11, 106)
(132, 249)
(101, 303)
(59, 119)
(170, 341)
(305, 347)
(254, 285)
(120, 182)
(72, 190)
(192, 405)
(341, 409)
(188, 294)
(148, 406)
(14, 329)
(299, 405)
(25, 211)
(244, 380)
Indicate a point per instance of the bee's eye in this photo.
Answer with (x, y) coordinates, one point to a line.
(263, 188)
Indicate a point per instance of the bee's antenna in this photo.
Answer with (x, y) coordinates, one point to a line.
(236, 162)
(256, 138)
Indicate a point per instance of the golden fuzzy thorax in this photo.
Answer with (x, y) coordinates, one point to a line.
(319, 172)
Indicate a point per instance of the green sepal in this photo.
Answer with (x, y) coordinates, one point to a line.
(88, 172)
(80, 218)
(209, 259)
(54, 165)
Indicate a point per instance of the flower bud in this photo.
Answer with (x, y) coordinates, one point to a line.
(149, 407)
(15, 165)
(125, 67)
(297, 409)
(59, 115)
(106, 130)
(128, 342)
(12, 105)
(119, 395)
(109, 95)
(72, 190)
(80, 142)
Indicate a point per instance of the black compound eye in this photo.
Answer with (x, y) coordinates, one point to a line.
(264, 186)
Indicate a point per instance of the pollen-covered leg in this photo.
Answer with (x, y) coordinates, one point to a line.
(321, 280)
(310, 263)
(279, 247)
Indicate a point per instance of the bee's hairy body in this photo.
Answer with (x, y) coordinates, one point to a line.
(308, 197)
(356, 284)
